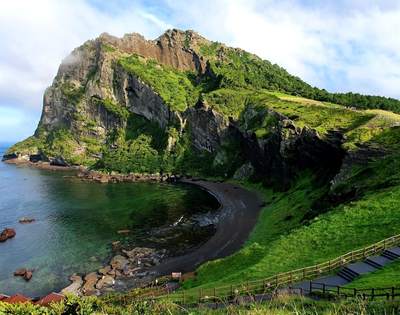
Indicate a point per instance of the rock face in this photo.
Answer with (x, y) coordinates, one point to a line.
(93, 94)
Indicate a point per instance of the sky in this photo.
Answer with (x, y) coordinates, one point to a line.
(339, 45)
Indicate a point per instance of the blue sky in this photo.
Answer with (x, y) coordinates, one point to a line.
(340, 45)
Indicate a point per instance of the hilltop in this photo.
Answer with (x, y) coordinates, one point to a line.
(325, 163)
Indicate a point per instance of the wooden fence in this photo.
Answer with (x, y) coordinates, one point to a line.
(269, 284)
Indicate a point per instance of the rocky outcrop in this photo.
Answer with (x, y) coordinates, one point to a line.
(6, 234)
(24, 273)
(288, 149)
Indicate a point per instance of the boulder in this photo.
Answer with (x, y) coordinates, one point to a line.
(24, 220)
(105, 270)
(20, 272)
(105, 282)
(28, 275)
(6, 234)
(119, 262)
(75, 287)
(59, 161)
(126, 231)
(90, 283)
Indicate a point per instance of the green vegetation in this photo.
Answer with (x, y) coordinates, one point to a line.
(73, 93)
(282, 305)
(134, 156)
(235, 68)
(174, 87)
(112, 107)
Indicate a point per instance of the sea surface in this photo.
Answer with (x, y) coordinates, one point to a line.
(77, 221)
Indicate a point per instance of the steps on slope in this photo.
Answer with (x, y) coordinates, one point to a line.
(378, 261)
(392, 253)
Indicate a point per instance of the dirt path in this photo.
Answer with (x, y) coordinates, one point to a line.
(238, 215)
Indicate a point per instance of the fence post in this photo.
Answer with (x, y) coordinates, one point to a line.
(323, 288)
(200, 294)
(338, 291)
(310, 287)
(215, 295)
(392, 293)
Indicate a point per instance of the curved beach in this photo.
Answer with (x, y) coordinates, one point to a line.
(238, 215)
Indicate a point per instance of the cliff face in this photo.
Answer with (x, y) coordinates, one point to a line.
(135, 99)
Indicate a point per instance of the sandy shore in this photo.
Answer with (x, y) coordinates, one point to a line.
(238, 215)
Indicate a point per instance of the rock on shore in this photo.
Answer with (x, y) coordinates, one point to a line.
(132, 263)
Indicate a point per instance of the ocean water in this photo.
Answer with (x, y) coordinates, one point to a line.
(77, 221)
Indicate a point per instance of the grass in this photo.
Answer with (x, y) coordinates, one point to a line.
(384, 278)
(282, 242)
(281, 305)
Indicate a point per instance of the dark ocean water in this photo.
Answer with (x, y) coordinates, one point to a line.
(77, 221)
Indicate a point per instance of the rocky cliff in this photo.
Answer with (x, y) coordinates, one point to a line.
(183, 104)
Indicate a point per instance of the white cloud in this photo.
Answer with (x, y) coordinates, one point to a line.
(37, 35)
(338, 45)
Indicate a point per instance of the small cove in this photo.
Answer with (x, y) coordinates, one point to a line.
(77, 221)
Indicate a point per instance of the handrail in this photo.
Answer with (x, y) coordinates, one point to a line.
(275, 281)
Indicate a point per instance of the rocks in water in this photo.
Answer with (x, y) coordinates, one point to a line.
(90, 283)
(6, 234)
(28, 275)
(20, 272)
(75, 287)
(105, 282)
(119, 262)
(116, 245)
(24, 273)
(105, 270)
(25, 220)
(126, 231)
(118, 178)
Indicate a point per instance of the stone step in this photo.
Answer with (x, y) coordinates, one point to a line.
(389, 255)
(347, 274)
(377, 261)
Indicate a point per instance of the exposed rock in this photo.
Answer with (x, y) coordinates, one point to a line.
(20, 272)
(119, 262)
(28, 275)
(104, 270)
(126, 231)
(6, 234)
(116, 245)
(244, 172)
(89, 285)
(75, 287)
(59, 161)
(104, 282)
(26, 220)
(24, 273)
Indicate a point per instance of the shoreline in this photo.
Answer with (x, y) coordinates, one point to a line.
(237, 215)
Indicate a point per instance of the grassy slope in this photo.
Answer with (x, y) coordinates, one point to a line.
(280, 241)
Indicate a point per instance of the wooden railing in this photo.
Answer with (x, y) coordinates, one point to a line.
(333, 291)
(271, 283)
